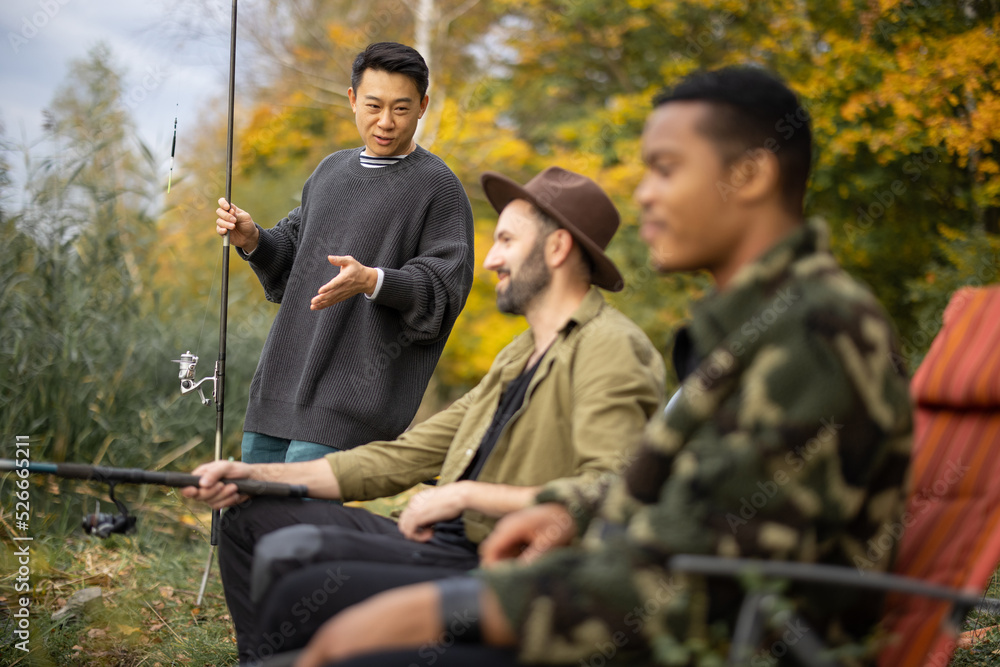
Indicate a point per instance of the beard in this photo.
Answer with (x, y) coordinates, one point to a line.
(531, 280)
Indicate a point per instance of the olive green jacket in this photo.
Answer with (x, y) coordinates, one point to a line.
(586, 405)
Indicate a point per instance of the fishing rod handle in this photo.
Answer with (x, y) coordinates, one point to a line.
(250, 487)
(253, 487)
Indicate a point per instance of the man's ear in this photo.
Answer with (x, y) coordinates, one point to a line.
(755, 176)
(353, 99)
(558, 247)
(423, 106)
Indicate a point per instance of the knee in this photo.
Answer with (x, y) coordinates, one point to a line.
(280, 552)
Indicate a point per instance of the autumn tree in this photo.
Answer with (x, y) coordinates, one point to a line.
(903, 100)
(902, 97)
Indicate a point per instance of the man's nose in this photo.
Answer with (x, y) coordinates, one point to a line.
(641, 194)
(492, 261)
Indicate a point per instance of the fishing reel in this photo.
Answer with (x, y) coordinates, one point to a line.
(188, 362)
(101, 524)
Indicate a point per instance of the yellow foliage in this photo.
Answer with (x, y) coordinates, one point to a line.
(896, 92)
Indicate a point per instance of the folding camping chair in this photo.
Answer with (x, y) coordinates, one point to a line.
(952, 548)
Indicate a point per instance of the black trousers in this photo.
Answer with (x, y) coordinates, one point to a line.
(347, 534)
(300, 602)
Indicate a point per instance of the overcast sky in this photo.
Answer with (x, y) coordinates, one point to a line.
(166, 74)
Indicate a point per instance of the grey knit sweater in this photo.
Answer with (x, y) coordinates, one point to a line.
(356, 371)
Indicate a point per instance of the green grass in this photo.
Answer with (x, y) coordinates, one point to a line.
(987, 650)
(149, 581)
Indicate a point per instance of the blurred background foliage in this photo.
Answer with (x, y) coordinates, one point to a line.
(104, 279)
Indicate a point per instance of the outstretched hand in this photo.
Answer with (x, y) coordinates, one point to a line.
(210, 488)
(353, 279)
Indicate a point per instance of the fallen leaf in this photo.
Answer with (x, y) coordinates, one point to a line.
(155, 626)
(99, 580)
(167, 591)
(127, 630)
(96, 632)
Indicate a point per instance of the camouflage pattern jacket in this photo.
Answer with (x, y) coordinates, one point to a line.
(790, 441)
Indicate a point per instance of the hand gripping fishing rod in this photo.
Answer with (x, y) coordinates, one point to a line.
(102, 525)
(188, 361)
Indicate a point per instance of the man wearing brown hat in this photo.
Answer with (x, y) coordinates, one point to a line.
(562, 404)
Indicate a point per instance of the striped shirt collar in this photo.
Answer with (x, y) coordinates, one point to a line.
(376, 161)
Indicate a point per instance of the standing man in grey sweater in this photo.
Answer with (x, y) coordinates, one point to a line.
(371, 272)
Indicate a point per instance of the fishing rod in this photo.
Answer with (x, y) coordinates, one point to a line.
(173, 149)
(188, 361)
(102, 525)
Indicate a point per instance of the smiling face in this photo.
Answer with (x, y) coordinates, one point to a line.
(689, 222)
(386, 108)
(518, 258)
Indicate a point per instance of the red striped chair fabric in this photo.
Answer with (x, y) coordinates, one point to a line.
(952, 525)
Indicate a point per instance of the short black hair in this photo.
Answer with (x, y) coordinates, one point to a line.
(394, 58)
(752, 109)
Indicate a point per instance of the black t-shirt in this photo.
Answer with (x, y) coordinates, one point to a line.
(452, 531)
(684, 356)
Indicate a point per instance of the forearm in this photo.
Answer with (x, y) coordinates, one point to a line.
(409, 616)
(494, 624)
(495, 500)
(316, 475)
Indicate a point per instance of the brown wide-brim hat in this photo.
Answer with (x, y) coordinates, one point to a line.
(576, 203)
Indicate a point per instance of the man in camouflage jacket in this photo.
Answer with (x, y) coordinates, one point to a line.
(789, 439)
